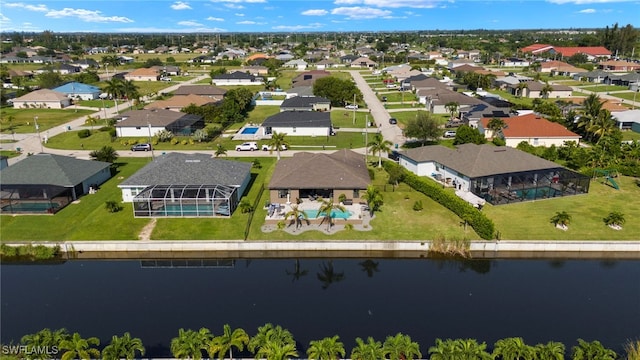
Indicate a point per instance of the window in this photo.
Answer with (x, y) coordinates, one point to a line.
(356, 193)
(283, 193)
(138, 128)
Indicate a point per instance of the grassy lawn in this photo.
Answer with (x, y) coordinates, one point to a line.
(47, 118)
(630, 135)
(629, 95)
(203, 81)
(284, 80)
(406, 105)
(405, 116)
(151, 87)
(433, 221)
(514, 99)
(86, 220)
(530, 220)
(344, 118)
(342, 140)
(9, 153)
(398, 96)
(604, 88)
(96, 103)
(260, 113)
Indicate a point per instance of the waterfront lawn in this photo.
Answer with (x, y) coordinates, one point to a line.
(531, 220)
(223, 228)
(85, 220)
(396, 220)
(47, 118)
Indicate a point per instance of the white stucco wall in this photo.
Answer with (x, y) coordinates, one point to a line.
(41, 104)
(513, 142)
(302, 131)
(141, 131)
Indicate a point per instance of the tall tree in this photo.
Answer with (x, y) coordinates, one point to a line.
(278, 141)
(297, 215)
(270, 334)
(106, 153)
(327, 207)
(552, 350)
(513, 348)
(77, 347)
(189, 343)
(591, 351)
(546, 90)
(44, 339)
(229, 339)
(124, 347)
(424, 127)
(378, 145)
(374, 199)
(466, 134)
(496, 125)
(400, 347)
(115, 88)
(337, 90)
(452, 107)
(371, 350)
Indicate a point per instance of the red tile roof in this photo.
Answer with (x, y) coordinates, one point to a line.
(589, 50)
(535, 48)
(532, 125)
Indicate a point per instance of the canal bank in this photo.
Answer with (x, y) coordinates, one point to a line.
(539, 249)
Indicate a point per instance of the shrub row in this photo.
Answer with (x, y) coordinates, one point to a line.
(482, 225)
(38, 252)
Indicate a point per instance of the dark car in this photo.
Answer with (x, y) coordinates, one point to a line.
(393, 121)
(141, 147)
(394, 155)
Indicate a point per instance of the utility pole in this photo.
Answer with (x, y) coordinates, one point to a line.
(149, 127)
(354, 109)
(35, 120)
(366, 137)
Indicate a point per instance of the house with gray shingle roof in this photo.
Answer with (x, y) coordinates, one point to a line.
(235, 78)
(179, 184)
(306, 175)
(299, 123)
(306, 103)
(148, 122)
(45, 183)
(498, 174)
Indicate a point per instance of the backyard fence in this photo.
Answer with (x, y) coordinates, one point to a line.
(254, 207)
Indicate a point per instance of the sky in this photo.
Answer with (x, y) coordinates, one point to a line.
(190, 16)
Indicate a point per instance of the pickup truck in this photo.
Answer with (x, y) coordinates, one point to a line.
(247, 146)
(266, 147)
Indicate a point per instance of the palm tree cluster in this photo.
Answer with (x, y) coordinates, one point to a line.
(121, 89)
(595, 123)
(276, 343)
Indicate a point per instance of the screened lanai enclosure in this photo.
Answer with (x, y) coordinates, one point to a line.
(185, 201)
(34, 199)
(530, 185)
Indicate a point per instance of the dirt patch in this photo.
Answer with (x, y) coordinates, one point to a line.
(145, 233)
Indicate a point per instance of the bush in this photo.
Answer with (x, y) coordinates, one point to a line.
(498, 141)
(164, 135)
(105, 129)
(482, 225)
(38, 252)
(112, 206)
(112, 132)
(417, 206)
(174, 141)
(184, 142)
(84, 133)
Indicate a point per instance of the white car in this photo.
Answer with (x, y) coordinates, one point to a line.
(351, 106)
(266, 147)
(392, 86)
(248, 146)
(165, 78)
(449, 134)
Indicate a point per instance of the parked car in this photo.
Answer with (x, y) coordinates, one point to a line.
(394, 155)
(247, 146)
(391, 86)
(165, 78)
(384, 98)
(266, 147)
(393, 121)
(449, 134)
(351, 106)
(141, 147)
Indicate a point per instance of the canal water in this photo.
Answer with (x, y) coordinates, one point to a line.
(539, 300)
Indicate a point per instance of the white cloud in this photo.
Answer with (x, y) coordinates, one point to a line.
(4, 18)
(40, 7)
(357, 12)
(239, 14)
(169, 30)
(315, 12)
(179, 5)
(424, 4)
(239, 1)
(298, 27)
(211, 18)
(249, 22)
(234, 6)
(191, 23)
(587, 11)
(584, 2)
(86, 15)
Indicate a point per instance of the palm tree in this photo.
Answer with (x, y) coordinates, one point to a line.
(604, 124)
(275, 351)
(115, 88)
(496, 125)
(297, 215)
(76, 347)
(400, 347)
(513, 348)
(592, 105)
(277, 142)
(470, 349)
(614, 218)
(546, 90)
(189, 343)
(591, 351)
(379, 144)
(328, 275)
(106, 154)
(220, 150)
(270, 334)
(443, 350)
(326, 349)
(374, 199)
(632, 349)
(123, 347)
(326, 208)
(46, 339)
(237, 338)
(520, 88)
(552, 350)
(561, 218)
(130, 90)
(371, 350)
(452, 107)
(297, 272)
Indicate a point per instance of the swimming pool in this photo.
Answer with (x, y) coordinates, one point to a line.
(249, 130)
(541, 192)
(191, 210)
(30, 207)
(336, 214)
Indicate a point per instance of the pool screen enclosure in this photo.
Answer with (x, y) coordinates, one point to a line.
(185, 201)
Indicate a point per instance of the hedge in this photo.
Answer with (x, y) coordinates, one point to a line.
(482, 225)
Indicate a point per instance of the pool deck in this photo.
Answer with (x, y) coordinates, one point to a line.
(258, 135)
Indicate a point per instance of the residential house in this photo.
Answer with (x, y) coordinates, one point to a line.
(534, 90)
(62, 69)
(46, 183)
(348, 59)
(177, 103)
(76, 90)
(619, 65)
(297, 64)
(627, 120)
(143, 74)
(514, 62)
(472, 115)
(496, 174)
(209, 91)
(167, 70)
(532, 129)
(256, 70)
(326, 64)
(320, 175)
(187, 185)
(43, 98)
(364, 62)
(235, 78)
(299, 123)
(148, 122)
(595, 76)
(591, 52)
(437, 99)
(308, 78)
(306, 103)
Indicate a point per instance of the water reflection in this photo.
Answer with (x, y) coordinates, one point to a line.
(297, 272)
(369, 266)
(328, 275)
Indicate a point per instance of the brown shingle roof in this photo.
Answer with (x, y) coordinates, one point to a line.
(480, 160)
(343, 169)
(180, 101)
(205, 90)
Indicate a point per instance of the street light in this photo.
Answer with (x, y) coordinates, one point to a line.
(35, 120)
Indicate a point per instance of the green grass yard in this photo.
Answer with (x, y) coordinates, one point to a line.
(23, 119)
